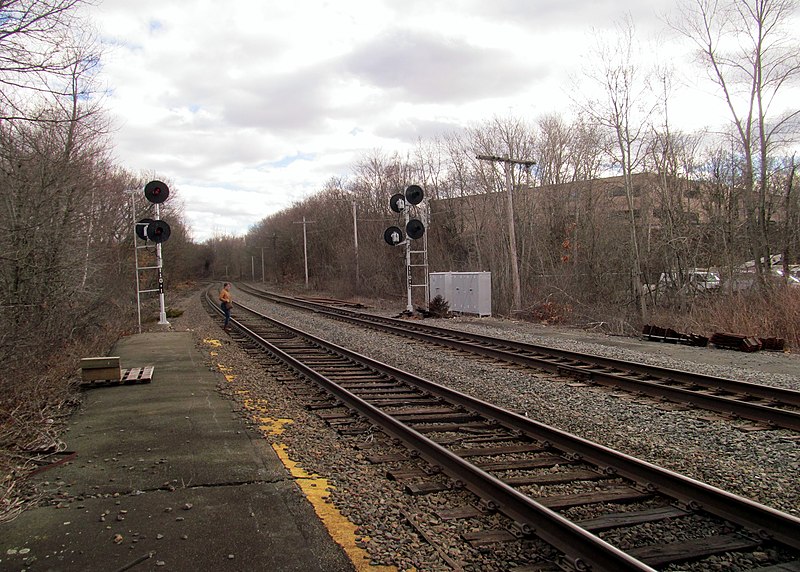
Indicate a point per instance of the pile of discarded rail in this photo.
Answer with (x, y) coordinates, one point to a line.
(721, 340)
(658, 334)
(747, 344)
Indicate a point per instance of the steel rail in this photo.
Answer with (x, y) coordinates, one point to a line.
(597, 369)
(584, 550)
(761, 520)
(749, 514)
(784, 395)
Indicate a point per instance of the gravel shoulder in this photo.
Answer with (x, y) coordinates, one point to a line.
(768, 367)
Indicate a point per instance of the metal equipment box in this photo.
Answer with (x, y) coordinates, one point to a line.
(466, 292)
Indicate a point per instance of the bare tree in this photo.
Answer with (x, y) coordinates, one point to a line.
(508, 141)
(671, 157)
(458, 229)
(553, 143)
(791, 224)
(624, 110)
(37, 53)
(752, 56)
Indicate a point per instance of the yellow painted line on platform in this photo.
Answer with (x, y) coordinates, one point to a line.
(314, 487)
(341, 530)
(272, 426)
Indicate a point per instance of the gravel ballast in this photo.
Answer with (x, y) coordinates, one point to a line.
(760, 465)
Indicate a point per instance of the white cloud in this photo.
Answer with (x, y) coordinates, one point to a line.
(250, 106)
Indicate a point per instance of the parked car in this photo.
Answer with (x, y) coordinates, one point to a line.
(704, 279)
(697, 280)
(791, 280)
(746, 280)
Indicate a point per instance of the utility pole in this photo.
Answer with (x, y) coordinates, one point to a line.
(305, 245)
(512, 236)
(262, 266)
(275, 257)
(355, 240)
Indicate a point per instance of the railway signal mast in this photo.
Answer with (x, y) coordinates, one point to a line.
(156, 231)
(415, 229)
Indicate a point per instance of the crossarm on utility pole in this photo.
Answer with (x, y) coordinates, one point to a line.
(526, 162)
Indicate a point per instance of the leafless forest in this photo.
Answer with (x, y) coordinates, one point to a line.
(616, 197)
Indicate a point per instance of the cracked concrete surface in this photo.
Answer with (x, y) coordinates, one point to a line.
(167, 476)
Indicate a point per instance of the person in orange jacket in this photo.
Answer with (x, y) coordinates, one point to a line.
(226, 303)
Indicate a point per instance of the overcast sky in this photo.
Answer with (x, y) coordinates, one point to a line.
(249, 105)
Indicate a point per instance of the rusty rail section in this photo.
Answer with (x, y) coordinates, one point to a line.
(320, 361)
(751, 401)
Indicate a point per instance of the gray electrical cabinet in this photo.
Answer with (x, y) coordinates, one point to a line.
(466, 292)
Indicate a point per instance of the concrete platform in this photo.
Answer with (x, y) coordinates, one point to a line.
(167, 477)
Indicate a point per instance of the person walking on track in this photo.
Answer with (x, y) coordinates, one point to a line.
(226, 303)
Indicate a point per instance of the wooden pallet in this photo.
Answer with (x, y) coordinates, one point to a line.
(129, 376)
(138, 374)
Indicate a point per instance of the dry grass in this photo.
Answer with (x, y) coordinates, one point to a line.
(775, 313)
(37, 396)
(771, 314)
(32, 416)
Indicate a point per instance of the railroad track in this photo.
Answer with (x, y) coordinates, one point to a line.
(773, 406)
(598, 508)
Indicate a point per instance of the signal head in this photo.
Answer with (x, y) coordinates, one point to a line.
(393, 236)
(415, 229)
(158, 231)
(156, 192)
(414, 194)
